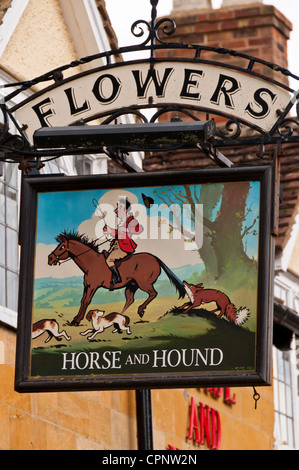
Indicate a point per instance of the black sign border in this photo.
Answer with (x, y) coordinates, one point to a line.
(33, 185)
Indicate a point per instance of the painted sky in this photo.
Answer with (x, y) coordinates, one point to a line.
(76, 211)
(67, 210)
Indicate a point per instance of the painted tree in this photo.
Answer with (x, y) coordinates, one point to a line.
(225, 226)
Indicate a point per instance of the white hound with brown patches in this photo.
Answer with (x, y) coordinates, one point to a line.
(100, 323)
(48, 326)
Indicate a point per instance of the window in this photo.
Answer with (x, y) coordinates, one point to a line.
(284, 398)
(9, 250)
(83, 165)
(9, 222)
(55, 166)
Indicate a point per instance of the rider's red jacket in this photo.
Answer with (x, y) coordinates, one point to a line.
(125, 241)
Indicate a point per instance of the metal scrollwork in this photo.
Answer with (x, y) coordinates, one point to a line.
(141, 30)
(287, 127)
(232, 129)
(169, 28)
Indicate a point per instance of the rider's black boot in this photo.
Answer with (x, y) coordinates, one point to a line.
(115, 278)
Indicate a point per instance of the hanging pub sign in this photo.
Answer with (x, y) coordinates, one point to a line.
(222, 89)
(153, 280)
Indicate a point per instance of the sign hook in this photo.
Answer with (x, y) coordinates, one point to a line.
(256, 397)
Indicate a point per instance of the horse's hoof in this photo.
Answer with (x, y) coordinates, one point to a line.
(141, 314)
(75, 323)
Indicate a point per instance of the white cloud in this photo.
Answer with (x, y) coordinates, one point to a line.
(42, 269)
(171, 248)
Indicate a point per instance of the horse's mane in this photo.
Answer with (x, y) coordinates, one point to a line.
(82, 238)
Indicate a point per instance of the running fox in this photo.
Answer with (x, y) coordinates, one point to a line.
(199, 296)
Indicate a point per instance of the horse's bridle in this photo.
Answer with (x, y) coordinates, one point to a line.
(61, 254)
(68, 251)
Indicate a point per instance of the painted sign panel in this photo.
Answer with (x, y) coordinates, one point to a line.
(149, 280)
(217, 88)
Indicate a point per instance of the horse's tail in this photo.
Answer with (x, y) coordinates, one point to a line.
(173, 279)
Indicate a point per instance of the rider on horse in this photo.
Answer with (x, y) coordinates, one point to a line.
(122, 243)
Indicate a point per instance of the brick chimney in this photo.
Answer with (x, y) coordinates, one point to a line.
(252, 28)
(237, 3)
(178, 5)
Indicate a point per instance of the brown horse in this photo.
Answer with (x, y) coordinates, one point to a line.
(139, 271)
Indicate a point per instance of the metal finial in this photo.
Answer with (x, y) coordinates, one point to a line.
(154, 3)
(167, 26)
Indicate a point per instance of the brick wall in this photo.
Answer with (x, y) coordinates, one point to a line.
(65, 420)
(106, 420)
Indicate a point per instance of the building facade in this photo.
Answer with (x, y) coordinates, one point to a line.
(186, 419)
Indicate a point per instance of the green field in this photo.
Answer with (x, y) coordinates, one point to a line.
(163, 327)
